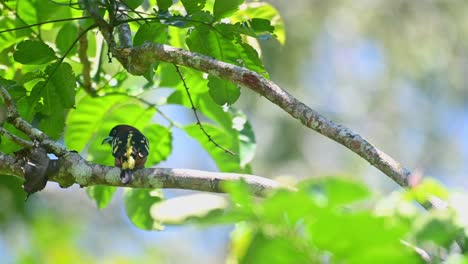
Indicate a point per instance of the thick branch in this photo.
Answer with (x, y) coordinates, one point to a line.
(72, 168)
(138, 61)
(140, 58)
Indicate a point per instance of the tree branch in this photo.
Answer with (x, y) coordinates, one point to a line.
(140, 58)
(72, 168)
(16, 139)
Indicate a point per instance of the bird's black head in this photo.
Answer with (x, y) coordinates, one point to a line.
(118, 130)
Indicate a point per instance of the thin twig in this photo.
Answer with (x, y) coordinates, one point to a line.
(210, 139)
(61, 59)
(45, 22)
(149, 104)
(16, 139)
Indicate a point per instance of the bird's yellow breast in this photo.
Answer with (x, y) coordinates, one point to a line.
(129, 163)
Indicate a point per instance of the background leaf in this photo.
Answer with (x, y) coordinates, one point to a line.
(261, 247)
(160, 139)
(247, 144)
(223, 92)
(133, 3)
(33, 52)
(102, 195)
(66, 37)
(151, 32)
(224, 161)
(54, 124)
(223, 8)
(192, 6)
(262, 10)
(163, 5)
(138, 203)
(63, 82)
(228, 48)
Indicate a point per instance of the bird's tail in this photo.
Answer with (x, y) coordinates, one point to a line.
(126, 176)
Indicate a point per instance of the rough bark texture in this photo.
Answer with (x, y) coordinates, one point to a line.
(140, 58)
(72, 168)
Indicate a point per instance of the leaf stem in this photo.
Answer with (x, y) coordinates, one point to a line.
(210, 139)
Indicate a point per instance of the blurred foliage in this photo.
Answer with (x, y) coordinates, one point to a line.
(331, 220)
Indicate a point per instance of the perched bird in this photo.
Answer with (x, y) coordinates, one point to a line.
(130, 149)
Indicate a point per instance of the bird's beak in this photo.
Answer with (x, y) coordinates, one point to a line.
(107, 140)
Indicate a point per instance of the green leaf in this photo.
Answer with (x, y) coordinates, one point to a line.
(222, 91)
(211, 43)
(232, 31)
(58, 93)
(335, 191)
(46, 98)
(13, 197)
(423, 192)
(160, 139)
(34, 11)
(262, 10)
(270, 249)
(163, 5)
(33, 52)
(102, 195)
(438, 227)
(14, 89)
(282, 209)
(93, 118)
(201, 17)
(168, 75)
(205, 104)
(247, 144)
(239, 193)
(53, 125)
(261, 25)
(64, 83)
(133, 4)
(224, 8)
(363, 238)
(66, 38)
(151, 32)
(224, 161)
(7, 39)
(138, 203)
(192, 6)
(8, 146)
